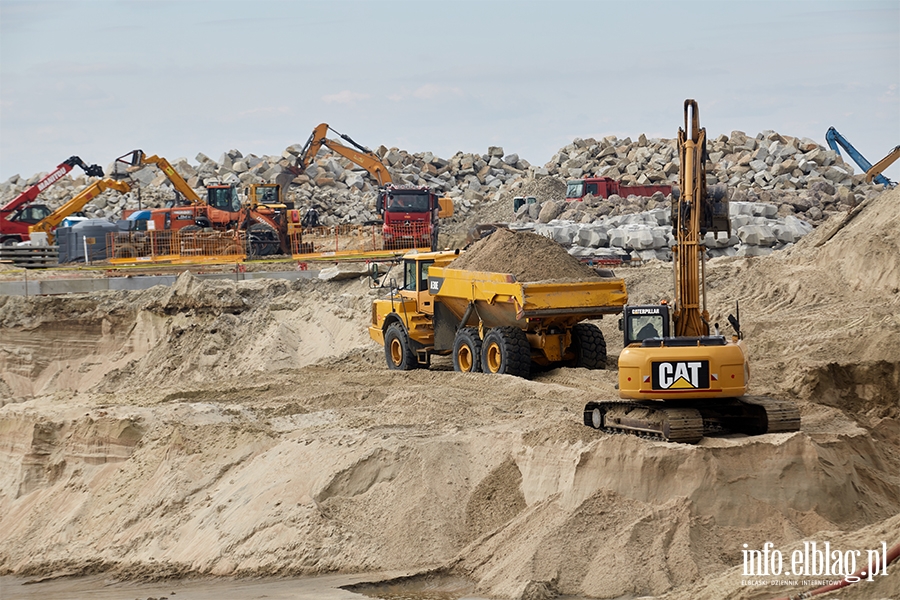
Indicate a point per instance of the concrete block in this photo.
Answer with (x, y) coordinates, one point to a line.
(757, 235)
(748, 251)
(616, 237)
(639, 239)
(592, 237)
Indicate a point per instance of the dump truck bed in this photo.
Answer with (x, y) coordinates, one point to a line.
(501, 300)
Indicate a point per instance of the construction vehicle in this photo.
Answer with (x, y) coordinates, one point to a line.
(489, 321)
(678, 387)
(409, 214)
(604, 187)
(836, 141)
(17, 215)
(49, 223)
(260, 212)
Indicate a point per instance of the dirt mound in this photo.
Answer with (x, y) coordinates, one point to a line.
(528, 256)
(253, 429)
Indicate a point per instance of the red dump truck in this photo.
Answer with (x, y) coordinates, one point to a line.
(604, 187)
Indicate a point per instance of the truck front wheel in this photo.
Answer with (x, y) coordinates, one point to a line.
(506, 350)
(397, 351)
(467, 351)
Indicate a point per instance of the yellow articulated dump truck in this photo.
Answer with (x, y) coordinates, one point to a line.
(491, 322)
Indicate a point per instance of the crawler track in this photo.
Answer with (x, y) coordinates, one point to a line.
(687, 421)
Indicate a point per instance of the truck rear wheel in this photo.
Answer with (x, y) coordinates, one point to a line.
(506, 350)
(589, 347)
(467, 351)
(397, 352)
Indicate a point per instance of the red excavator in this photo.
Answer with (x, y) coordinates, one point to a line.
(19, 214)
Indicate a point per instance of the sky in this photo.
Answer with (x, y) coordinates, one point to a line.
(100, 78)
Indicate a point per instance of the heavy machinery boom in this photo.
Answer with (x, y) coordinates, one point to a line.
(362, 156)
(18, 215)
(836, 141)
(137, 158)
(52, 221)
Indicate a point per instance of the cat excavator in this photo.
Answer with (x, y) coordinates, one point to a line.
(680, 387)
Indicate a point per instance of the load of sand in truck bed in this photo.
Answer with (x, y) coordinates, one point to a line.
(528, 256)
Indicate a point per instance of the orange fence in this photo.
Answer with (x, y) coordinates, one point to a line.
(348, 239)
(168, 245)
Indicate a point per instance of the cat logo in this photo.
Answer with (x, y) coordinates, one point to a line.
(681, 375)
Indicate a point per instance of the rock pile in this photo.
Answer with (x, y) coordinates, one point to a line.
(796, 175)
(756, 230)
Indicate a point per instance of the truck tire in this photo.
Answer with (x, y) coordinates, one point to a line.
(505, 350)
(263, 240)
(397, 351)
(467, 351)
(125, 251)
(589, 347)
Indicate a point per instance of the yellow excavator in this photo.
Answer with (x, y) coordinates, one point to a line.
(682, 386)
(49, 223)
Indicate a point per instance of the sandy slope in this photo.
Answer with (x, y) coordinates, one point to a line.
(252, 429)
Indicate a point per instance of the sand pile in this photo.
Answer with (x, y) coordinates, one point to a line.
(528, 256)
(252, 429)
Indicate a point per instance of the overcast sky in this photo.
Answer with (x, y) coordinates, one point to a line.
(100, 78)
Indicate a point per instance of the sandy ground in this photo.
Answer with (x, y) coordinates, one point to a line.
(251, 429)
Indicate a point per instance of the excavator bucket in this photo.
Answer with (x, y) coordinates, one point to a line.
(446, 208)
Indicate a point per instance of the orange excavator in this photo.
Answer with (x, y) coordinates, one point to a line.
(268, 221)
(409, 213)
(682, 386)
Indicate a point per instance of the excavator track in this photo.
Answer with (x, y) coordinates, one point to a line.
(645, 419)
(688, 421)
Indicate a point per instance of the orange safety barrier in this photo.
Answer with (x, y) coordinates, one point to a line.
(174, 245)
(348, 239)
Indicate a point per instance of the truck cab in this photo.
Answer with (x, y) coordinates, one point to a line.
(410, 215)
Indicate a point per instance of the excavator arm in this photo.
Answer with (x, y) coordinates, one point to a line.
(52, 221)
(836, 141)
(883, 164)
(58, 173)
(137, 158)
(362, 156)
(690, 318)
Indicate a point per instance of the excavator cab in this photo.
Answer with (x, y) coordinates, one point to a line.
(224, 197)
(639, 323)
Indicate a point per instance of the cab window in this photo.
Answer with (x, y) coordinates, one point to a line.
(409, 276)
(575, 189)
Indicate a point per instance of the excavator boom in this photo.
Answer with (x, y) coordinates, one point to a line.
(690, 318)
(883, 164)
(58, 173)
(137, 158)
(362, 156)
(836, 141)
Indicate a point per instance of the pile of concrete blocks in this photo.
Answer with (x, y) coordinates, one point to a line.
(757, 230)
(796, 175)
